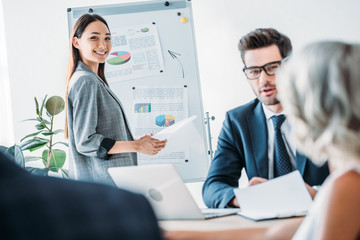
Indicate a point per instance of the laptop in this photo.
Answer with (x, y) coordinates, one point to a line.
(165, 190)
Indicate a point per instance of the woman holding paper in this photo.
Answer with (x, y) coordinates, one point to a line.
(319, 89)
(96, 125)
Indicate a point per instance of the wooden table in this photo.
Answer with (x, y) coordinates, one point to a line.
(221, 223)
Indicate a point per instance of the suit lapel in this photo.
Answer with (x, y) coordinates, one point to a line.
(119, 102)
(85, 68)
(258, 134)
(300, 163)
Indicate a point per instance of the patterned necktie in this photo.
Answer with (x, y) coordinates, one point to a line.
(281, 157)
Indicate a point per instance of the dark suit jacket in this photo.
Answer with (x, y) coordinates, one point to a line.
(36, 207)
(242, 144)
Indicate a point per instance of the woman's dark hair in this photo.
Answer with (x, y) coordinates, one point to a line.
(74, 56)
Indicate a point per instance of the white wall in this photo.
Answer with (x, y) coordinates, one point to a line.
(6, 123)
(37, 45)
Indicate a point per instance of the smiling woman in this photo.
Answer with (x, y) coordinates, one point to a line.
(96, 125)
(94, 45)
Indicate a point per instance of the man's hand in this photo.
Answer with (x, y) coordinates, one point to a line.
(233, 203)
(256, 180)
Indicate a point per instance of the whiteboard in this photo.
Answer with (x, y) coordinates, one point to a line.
(179, 68)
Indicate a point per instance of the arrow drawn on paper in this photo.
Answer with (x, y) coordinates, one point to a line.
(174, 56)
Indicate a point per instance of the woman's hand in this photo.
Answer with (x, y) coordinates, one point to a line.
(149, 145)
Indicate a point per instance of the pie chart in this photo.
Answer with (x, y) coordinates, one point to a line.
(121, 58)
(165, 120)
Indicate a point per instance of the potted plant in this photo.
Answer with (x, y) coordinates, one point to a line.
(43, 139)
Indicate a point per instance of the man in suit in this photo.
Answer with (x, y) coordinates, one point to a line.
(37, 207)
(256, 136)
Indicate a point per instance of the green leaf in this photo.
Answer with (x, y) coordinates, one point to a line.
(37, 106)
(42, 105)
(57, 159)
(30, 135)
(63, 143)
(32, 119)
(33, 145)
(48, 114)
(31, 158)
(48, 133)
(45, 121)
(17, 155)
(54, 169)
(55, 105)
(39, 126)
(3, 148)
(38, 171)
(65, 173)
(36, 148)
(41, 139)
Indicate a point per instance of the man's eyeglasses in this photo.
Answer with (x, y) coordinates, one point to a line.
(270, 69)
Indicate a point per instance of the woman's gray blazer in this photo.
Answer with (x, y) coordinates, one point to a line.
(95, 119)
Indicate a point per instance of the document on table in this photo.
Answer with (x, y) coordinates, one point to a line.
(180, 135)
(281, 197)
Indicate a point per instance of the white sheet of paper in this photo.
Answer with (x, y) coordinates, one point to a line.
(181, 135)
(285, 196)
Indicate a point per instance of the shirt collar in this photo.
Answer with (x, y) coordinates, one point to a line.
(269, 114)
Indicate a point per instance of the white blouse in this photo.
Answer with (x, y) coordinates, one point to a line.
(309, 229)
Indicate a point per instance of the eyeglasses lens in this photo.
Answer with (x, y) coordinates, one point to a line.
(254, 72)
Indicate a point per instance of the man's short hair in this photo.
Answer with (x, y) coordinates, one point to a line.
(264, 37)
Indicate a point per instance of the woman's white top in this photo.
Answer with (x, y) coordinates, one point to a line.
(309, 229)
